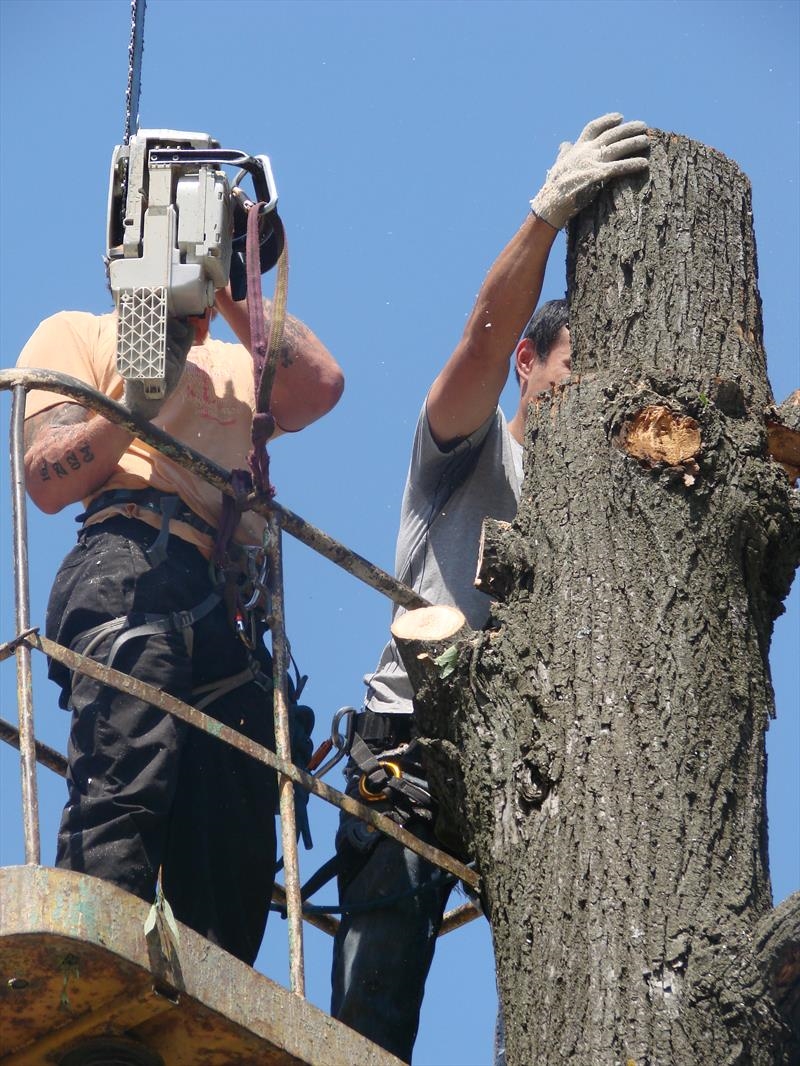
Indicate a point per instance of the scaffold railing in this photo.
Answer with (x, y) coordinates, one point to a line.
(279, 519)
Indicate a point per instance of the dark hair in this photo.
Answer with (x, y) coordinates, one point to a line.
(544, 327)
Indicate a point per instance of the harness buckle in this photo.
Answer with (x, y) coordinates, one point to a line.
(391, 769)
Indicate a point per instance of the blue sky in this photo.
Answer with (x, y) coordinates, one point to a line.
(406, 140)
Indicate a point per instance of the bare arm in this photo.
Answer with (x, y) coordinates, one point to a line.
(69, 454)
(308, 380)
(467, 390)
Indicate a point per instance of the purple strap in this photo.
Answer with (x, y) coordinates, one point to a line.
(257, 478)
(263, 422)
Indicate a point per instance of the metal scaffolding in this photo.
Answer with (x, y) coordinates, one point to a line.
(279, 519)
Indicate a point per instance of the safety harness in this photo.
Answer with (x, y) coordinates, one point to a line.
(139, 625)
(387, 778)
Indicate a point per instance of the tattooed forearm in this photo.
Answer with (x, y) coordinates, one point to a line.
(69, 453)
(66, 414)
(56, 428)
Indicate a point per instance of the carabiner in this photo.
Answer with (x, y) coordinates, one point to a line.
(340, 741)
(241, 630)
(392, 769)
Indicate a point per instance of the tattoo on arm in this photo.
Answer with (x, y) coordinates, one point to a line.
(66, 414)
(62, 418)
(294, 337)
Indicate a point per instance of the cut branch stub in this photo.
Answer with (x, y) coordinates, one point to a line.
(783, 436)
(657, 435)
(777, 944)
(504, 561)
(430, 641)
(423, 636)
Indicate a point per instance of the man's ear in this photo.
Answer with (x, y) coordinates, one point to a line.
(524, 359)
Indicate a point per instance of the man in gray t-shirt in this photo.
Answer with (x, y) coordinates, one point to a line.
(448, 494)
(466, 464)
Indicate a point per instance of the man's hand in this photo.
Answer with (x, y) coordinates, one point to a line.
(605, 150)
(180, 337)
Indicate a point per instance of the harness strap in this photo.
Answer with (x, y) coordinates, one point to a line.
(324, 874)
(330, 869)
(157, 552)
(96, 633)
(148, 500)
(397, 785)
(216, 689)
(363, 757)
(175, 622)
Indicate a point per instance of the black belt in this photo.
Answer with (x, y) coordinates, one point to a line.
(391, 729)
(149, 500)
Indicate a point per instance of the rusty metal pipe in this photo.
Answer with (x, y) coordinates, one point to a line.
(125, 683)
(217, 476)
(27, 736)
(459, 916)
(340, 555)
(283, 749)
(45, 755)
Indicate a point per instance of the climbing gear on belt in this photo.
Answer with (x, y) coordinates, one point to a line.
(340, 741)
(385, 781)
(366, 793)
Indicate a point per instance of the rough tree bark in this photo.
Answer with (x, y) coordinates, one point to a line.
(605, 732)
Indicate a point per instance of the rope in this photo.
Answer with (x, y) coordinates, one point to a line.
(265, 357)
(135, 51)
(278, 319)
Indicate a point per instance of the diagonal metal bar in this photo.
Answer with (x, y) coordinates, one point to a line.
(10, 646)
(218, 476)
(45, 755)
(459, 916)
(56, 762)
(170, 705)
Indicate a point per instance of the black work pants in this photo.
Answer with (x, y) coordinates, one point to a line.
(148, 792)
(384, 946)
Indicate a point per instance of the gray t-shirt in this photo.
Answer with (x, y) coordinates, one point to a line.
(447, 496)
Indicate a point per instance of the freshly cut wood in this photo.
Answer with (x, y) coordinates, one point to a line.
(428, 624)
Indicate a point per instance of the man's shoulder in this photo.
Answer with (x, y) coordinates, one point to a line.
(82, 320)
(85, 326)
(67, 335)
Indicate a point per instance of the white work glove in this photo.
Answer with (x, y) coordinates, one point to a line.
(604, 150)
(180, 336)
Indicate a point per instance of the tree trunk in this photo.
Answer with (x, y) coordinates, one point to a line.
(611, 717)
